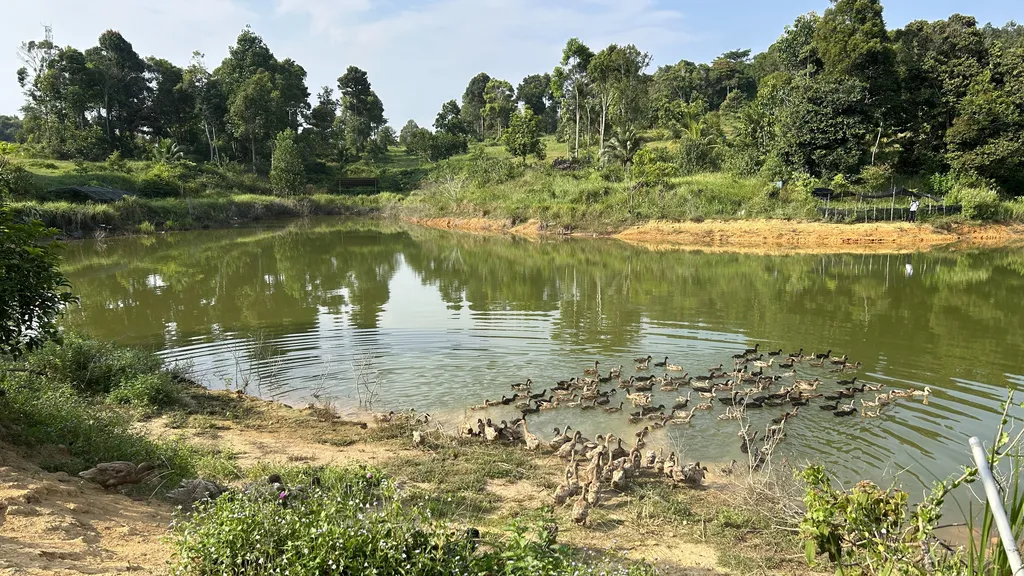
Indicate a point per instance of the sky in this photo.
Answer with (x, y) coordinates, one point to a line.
(421, 53)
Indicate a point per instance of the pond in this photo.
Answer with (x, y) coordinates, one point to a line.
(439, 321)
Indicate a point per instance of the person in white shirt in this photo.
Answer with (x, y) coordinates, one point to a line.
(914, 204)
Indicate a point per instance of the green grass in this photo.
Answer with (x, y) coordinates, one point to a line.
(74, 405)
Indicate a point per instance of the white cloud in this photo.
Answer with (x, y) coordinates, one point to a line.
(418, 54)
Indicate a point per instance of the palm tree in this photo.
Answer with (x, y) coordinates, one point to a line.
(622, 146)
(167, 151)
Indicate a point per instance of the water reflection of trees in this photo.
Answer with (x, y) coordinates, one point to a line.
(960, 311)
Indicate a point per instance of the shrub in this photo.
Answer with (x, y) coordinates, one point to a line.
(146, 391)
(978, 203)
(352, 522)
(698, 155)
(90, 366)
(147, 228)
(876, 178)
(287, 173)
(651, 167)
(117, 163)
(161, 180)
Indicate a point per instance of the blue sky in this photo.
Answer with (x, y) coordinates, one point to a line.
(420, 53)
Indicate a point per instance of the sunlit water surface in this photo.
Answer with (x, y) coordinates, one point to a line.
(439, 321)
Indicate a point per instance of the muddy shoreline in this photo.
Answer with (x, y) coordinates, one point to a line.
(764, 236)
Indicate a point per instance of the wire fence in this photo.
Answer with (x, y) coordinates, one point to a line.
(879, 213)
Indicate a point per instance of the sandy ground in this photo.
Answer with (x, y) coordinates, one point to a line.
(55, 524)
(769, 236)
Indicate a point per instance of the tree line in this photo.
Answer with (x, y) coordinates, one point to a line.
(838, 95)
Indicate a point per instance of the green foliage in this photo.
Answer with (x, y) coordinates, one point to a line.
(441, 146)
(146, 391)
(653, 167)
(147, 228)
(978, 203)
(877, 178)
(287, 173)
(166, 151)
(15, 181)
(92, 367)
(33, 290)
(352, 521)
(871, 531)
(523, 135)
(117, 163)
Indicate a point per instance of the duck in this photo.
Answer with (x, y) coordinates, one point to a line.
(807, 384)
(865, 413)
(716, 368)
(530, 439)
(682, 417)
(817, 363)
(604, 398)
(849, 382)
(797, 355)
(845, 410)
(662, 363)
(114, 474)
(644, 386)
(523, 387)
(627, 384)
(618, 451)
(674, 368)
(752, 350)
(690, 474)
(590, 406)
(823, 356)
(646, 364)
(642, 360)
(539, 395)
(616, 372)
(839, 360)
(613, 409)
(568, 450)
(639, 399)
(787, 363)
(728, 469)
(681, 402)
(762, 364)
(923, 393)
(581, 509)
(833, 406)
(786, 416)
(190, 492)
(873, 387)
(704, 406)
(566, 489)
(560, 438)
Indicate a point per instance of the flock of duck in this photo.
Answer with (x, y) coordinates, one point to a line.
(738, 390)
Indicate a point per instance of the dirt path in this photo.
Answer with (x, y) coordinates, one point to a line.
(768, 236)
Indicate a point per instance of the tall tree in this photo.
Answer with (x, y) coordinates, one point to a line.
(852, 41)
(535, 92)
(499, 99)
(473, 103)
(319, 133)
(363, 110)
(569, 80)
(618, 75)
(449, 120)
(209, 99)
(253, 110)
(10, 128)
(795, 49)
(122, 84)
(169, 107)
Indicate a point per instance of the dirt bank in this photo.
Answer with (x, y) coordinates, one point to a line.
(55, 524)
(767, 236)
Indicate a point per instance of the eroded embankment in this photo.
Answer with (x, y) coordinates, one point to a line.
(768, 236)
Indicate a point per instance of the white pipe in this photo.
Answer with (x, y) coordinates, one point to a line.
(995, 503)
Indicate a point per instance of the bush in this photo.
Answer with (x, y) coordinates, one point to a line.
(92, 367)
(147, 228)
(651, 167)
(161, 180)
(978, 203)
(352, 522)
(117, 163)
(697, 155)
(287, 173)
(876, 178)
(146, 391)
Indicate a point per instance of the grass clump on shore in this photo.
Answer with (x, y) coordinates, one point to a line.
(75, 403)
(353, 521)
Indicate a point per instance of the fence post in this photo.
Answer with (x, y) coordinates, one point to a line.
(892, 207)
(995, 503)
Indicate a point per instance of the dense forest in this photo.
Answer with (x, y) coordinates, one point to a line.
(838, 95)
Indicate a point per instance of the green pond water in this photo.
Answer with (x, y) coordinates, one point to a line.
(440, 321)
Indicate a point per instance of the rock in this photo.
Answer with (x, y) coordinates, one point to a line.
(62, 477)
